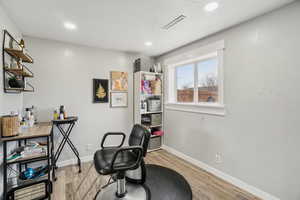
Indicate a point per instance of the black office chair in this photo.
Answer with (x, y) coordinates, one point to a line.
(119, 160)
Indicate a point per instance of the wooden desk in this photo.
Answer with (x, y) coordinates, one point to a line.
(42, 129)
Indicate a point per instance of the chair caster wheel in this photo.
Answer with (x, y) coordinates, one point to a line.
(55, 179)
(79, 171)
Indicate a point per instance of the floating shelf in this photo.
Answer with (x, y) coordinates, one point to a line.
(19, 89)
(19, 54)
(19, 72)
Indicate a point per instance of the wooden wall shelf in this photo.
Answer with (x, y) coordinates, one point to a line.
(19, 89)
(19, 54)
(19, 72)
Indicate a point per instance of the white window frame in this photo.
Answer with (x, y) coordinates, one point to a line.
(193, 57)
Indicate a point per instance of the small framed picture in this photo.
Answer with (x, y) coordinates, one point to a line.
(100, 91)
(119, 81)
(118, 99)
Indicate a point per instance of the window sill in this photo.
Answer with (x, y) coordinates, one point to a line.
(209, 109)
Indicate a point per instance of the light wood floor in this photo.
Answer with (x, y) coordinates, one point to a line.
(73, 186)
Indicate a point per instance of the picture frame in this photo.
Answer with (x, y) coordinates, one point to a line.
(118, 99)
(119, 81)
(100, 91)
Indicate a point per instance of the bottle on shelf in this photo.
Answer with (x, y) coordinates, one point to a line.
(61, 116)
(145, 105)
(23, 123)
(31, 120)
(142, 107)
(22, 43)
(55, 115)
(28, 113)
(34, 113)
(62, 113)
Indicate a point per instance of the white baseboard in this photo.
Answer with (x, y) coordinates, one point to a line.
(251, 189)
(74, 161)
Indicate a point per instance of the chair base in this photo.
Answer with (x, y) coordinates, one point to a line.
(134, 192)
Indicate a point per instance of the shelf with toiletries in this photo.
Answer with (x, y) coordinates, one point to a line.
(148, 105)
(34, 147)
(31, 152)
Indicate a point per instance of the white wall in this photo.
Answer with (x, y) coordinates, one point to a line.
(259, 137)
(63, 76)
(8, 102)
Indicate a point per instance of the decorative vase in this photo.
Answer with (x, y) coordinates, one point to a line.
(152, 69)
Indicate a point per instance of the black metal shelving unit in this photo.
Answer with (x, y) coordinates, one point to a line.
(10, 187)
(18, 54)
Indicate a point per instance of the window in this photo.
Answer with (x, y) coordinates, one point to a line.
(208, 80)
(185, 83)
(195, 80)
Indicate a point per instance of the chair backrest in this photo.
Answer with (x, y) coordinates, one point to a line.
(139, 136)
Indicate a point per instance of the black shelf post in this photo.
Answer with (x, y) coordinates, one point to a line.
(4, 170)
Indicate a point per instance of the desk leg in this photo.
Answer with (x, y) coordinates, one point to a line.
(25, 143)
(66, 138)
(49, 188)
(20, 165)
(53, 164)
(63, 142)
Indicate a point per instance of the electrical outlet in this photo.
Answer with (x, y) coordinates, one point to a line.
(218, 158)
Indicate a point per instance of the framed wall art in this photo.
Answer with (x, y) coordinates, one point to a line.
(118, 99)
(100, 91)
(119, 81)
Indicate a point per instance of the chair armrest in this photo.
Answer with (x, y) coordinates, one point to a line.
(110, 134)
(139, 151)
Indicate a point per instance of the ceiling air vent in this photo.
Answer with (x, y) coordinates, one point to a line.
(174, 22)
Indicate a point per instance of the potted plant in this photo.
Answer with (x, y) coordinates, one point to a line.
(14, 82)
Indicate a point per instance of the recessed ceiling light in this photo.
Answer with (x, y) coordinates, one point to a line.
(148, 44)
(212, 6)
(70, 26)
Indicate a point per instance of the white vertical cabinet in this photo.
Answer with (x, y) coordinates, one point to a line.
(146, 89)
